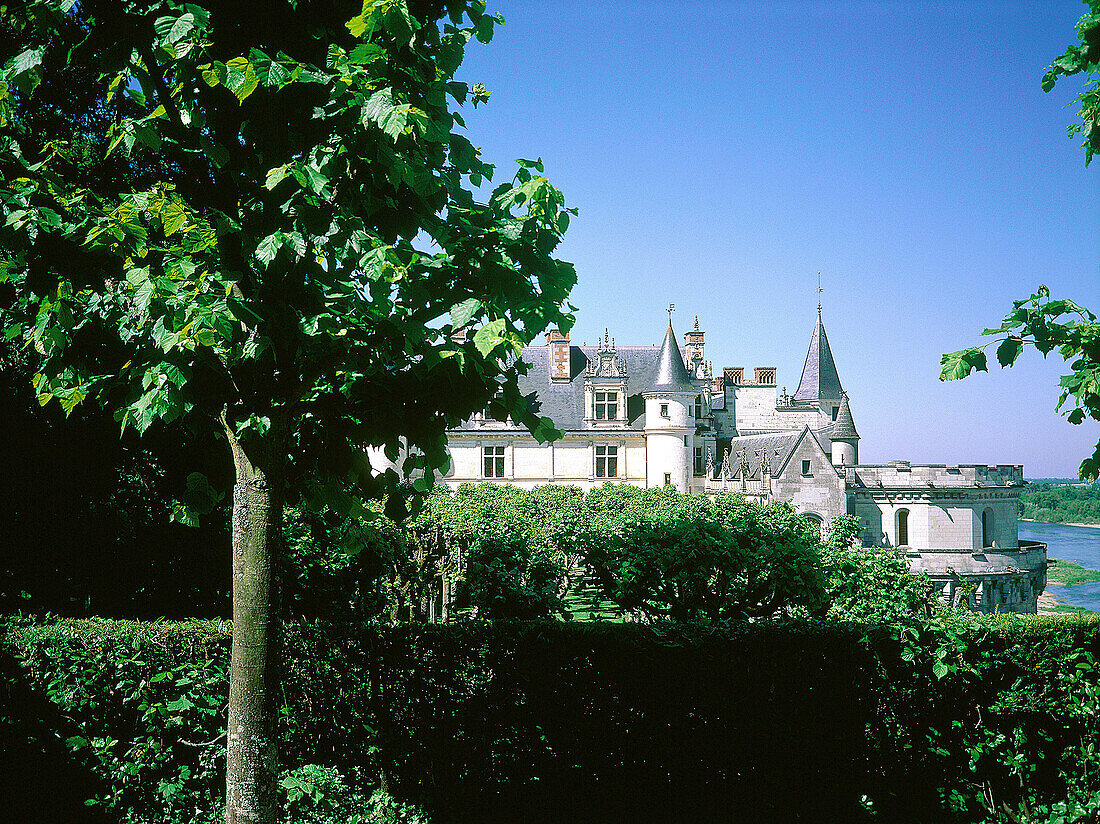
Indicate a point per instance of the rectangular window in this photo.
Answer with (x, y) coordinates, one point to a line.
(805, 467)
(698, 407)
(607, 406)
(835, 410)
(699, 460)
(664, 410)
(607, 461)
(668, 479)
(493, 461)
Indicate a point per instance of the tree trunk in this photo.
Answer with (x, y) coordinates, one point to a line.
(251, 792)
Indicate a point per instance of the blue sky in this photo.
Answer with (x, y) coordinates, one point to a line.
(722, 154)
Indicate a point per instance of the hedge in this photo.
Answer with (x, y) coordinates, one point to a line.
(560, 722)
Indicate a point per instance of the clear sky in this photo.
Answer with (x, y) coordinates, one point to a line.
(722, 154)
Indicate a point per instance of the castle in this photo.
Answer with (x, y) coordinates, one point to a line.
(659, 416)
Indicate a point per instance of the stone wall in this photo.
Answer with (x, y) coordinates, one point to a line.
(819, 492)
(528, 463)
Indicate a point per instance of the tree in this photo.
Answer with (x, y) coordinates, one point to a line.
(294, 267)
(1057, 325)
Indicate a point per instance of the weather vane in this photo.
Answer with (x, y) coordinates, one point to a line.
(670, 310)
(819, 291)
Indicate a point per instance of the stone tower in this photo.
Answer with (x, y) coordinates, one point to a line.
(669, 419)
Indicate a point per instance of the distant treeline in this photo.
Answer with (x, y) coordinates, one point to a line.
(1061, 504)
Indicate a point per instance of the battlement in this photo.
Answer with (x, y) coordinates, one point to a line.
(903, 474)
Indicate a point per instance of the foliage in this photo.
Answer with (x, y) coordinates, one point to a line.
(659, 553)
(1083, 57)
(1048, 325)
(271, 269)
(333, 567)
(140, 705)
(958, 719)
(1057, 325)
(872, 585)
(1061, 503)
(321, 795)
(504, 579)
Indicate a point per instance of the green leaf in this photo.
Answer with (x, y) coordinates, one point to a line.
(462, 313)
(25, 61)
(269, 247)
(382, 110)
(173, 29)
(173, 216)
(398, 22)
(958, 365)
(268, 71)
(939, 669)
(182, 704)
(365, 53)
(241, 78)
(276, 176)
(489, 336)
(1008, 351)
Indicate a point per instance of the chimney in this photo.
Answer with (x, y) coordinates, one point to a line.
(559, 355)
(734, 375)
(764, 375)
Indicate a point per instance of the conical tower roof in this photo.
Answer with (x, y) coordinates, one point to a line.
(819, 377)
(672, 375)
(844, 428)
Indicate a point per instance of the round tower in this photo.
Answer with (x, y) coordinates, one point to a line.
(670, 419)
(845, 439)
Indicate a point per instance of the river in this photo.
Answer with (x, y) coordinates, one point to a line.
(1080, 544)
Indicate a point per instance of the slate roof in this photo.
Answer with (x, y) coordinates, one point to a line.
(563, 401)
(819, 375)
(777, 445)
(844, 427)
(672, 375)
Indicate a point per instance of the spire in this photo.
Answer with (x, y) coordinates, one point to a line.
(819, 377)
(671, 372)
(844, 428)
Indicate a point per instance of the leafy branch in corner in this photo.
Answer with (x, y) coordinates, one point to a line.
(1048, 325)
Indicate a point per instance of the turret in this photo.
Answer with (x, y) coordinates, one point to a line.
(820, 383)
(845, 439)
(669, 419)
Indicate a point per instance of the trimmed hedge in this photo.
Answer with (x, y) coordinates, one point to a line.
(556, 722)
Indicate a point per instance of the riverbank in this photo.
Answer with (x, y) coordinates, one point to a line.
(1053, 523)
(1049, 604)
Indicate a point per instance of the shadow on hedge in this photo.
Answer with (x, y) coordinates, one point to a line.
(42, 782)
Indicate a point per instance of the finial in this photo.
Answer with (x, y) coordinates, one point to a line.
(670, 310)
(819, 291)
(605, 336)
(696, 323)
(612, 343)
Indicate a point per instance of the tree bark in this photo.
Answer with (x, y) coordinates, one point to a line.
(251, 791)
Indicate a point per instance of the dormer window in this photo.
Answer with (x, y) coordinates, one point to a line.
(607, 406)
